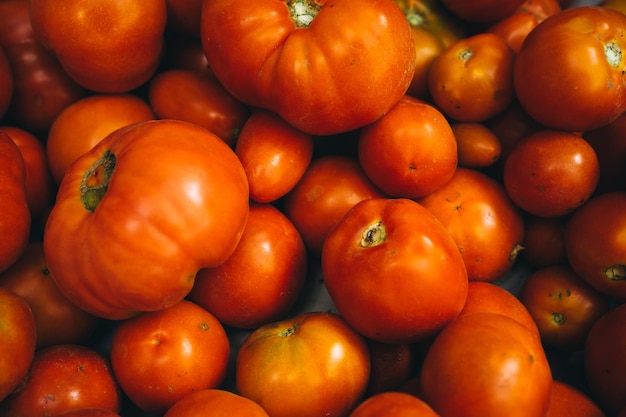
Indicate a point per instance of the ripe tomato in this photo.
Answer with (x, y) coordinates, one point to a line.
(159, 357)
(569, 401)
(605, 364)
(391, 365)
(17, 340)
(482, 11)
(262, 279)
(551, 84)
(410, 151)
(84, 123)
(486, 226)
(544, 241)
(609, 144)
(311, 364)
(563, 305)
(477, 145)
(63, 378)
(550, 173)
(396, 404)
(6, 83)
(472, 80)
(115, 252)
(197, 97)
(393, 271)
(274, 155)
(215, 403)
(309, 61)
(486, 364)
(595, 239)
(80, 35)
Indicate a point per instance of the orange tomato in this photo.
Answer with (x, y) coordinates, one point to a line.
(477, 145)
(393, 404)
(568, 401)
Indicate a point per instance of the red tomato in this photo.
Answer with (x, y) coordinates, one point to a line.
(330, 187)
(486, 364)
(138, 215)
(544, 242)
(568, 401)
(159, 357)
(609, 144)
(550, 173)
(410, 151)
(595, 238)
(604, 361)
(312, 364)
(477, 145)
(551, 84)
(17, 340)
(391, 365)
(393, 271)
(486, 226)
(63, 378)
(81, 125)
(111, 47)
(563, 305)
(472, 80)
(6, 83)
(310, 61)
(262, 279)
(393, 404)
(482, 11)
(197, 97)
(215, 403)
(274, 155)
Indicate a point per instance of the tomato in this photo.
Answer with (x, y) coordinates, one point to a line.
(391, 365)
(605, 365)
(274, 155)
(552, 86)
(595, 239)
(563, 305)
(17, 340)
(309, 61)
(330, 186)
(63, 378)
(544, 242)
(159, 357)
(14, 211)
(472, 80)
(311, 364)
(477, 145)
(486, 364)
(410, 151)
(138, 215)
(569, 401)
(183, 17)
(6, 83)
(396, 404)
(550, 173)
(80, 35)
(394, 271)
(262, 279)
(215, 403)
(482, 11)
(609, 144)
(197, 97)
(84, 123)
(485, 224)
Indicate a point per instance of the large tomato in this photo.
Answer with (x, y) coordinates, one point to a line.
(311, 61)
(394, 271)
(138, 215)
(551, 84)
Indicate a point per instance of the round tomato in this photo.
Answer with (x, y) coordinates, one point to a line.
(486, 364)
(310, 61)
(312, 364)
(544, 242)
(138, 215)
(477, 145)
(551, 84)
(569, 401)
(161, 356)
(215, 403)
(410, 151)
(393, 271)
(396, 404)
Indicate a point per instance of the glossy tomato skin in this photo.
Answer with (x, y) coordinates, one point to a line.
(215, 403)
(144, 251)
(595, 242)
(393, 271)
(477, 145)
(159, 357)
(311, 364)
(557, 92)
(287, 59)
(393, 404)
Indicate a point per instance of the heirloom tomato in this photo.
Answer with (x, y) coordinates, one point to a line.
(551, 84)
(325, 66)
(394, 271)
(396, 404)
(215, 403)
(138, 215)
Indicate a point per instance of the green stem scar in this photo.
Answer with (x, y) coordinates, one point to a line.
(613, 54)
(616, 272)
(373, 235)
(303, 11)
(95, 182)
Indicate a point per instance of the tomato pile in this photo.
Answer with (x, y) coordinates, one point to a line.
(313, 208)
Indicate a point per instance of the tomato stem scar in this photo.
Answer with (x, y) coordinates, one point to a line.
(616, 272)
(373, 235)
(303, 12)
(96, 181)
(613, 54)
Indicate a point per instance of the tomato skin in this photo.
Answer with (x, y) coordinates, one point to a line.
(391, 365)
(569, 401)
(314, 353)
(215, 403)
(299, 72)
(384, 266)
(557, 92)
(144, 252)
(599, 258)
(393, 404)
(477, 145)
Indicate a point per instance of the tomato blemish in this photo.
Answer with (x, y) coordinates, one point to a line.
(616, 272)
(96, 181)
